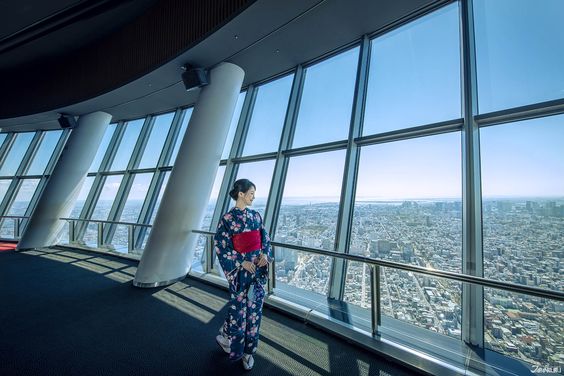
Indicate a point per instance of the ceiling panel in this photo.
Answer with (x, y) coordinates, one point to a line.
(266, 39)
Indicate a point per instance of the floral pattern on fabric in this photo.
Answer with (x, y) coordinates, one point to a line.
(246, 289)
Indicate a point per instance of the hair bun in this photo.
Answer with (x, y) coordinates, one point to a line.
(233, 194)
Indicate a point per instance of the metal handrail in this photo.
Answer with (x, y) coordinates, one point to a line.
(512, 287)
(100, 236)
(104, 221)
(18, 219)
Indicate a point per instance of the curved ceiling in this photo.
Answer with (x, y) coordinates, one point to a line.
(264, 37)
(92, 47)
(32, 33)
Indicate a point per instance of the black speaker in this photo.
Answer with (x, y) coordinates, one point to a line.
(67, 121)
(194, 78)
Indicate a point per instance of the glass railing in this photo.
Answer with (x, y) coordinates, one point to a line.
(371, 286)
(93, 233)
(11, 226)
(373, 311)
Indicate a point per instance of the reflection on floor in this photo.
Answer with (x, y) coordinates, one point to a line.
(75, 312)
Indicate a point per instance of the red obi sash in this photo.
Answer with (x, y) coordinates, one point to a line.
(246, 242)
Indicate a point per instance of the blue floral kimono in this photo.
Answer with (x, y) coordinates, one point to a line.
(247, 290)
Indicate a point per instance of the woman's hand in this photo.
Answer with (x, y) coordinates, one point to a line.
(249, 266)
(262, 261)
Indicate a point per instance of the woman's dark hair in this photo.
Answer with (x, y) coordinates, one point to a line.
(241, 185)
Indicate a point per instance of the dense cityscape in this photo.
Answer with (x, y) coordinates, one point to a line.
(523, 242)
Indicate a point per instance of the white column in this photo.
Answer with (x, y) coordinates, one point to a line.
(170, 247)
(62, 189)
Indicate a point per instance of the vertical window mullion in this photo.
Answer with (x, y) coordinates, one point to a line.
(149, 205)
(117, 205)
(472, 255)
(30, 153)
(33, 202)
(4, 151)
(346, 208)
(17, 180)
(173, 134)
(127, 181)
(9, 196)
(141, 143)
(6, 146)
(99, 180)
(281, 166)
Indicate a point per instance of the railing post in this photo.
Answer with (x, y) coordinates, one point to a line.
(130, 238)
(210, 256)
(375, 298)
(100, 237)
(71, 232)
(16, 228)
(271, 276)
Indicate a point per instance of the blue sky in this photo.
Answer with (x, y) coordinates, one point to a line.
(414, 80)
(520, 49)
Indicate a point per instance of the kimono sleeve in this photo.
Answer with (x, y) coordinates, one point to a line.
(265, 239)
(229, 259)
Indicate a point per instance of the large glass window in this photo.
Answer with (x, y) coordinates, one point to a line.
(523, 201)
(420, 300)
(102, 208)
(44, 153)
(127, 144)
(16, 153)
(180, 137)
(233, 126)
(107, 196)
(297, 271)
(156, 141)
(75, 213)
(136, 197)
(357, 284)
(206, 223)
(518, 52)
(132, 208)
(260, 173)
(267, 118)
(4, 185)
(414, 76)
(102, 148)
(524, 327)
(24, 196)
(408, 204)
(326, 102)
(310, 204)
(408, 209)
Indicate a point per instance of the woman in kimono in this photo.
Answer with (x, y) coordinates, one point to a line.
(243, 249)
